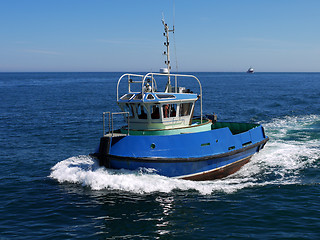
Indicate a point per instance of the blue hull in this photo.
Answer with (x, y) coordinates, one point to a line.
(195, 156)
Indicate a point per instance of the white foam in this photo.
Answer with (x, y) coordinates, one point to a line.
(280, 162)
(279, 128)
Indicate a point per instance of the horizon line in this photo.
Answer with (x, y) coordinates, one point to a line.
(157, 72)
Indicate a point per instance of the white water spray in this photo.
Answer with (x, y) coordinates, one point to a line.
(280, 163)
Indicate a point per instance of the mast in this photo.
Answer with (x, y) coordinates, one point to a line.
(167, 53)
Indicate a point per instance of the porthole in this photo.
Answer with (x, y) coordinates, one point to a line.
(152, 146)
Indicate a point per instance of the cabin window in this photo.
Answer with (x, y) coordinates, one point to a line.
(126, 96)
(138, 97)
(161, 96)
(155, 113)
(169, 110)
(150, 97)
(142, 112)
(185, 109)
(129, 108)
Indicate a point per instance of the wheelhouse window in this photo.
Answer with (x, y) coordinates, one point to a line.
(155, 111)
(169, 110)
(129, 108)
(185, 109)
(126, 96)
(138, 97)
(150, 97)
(142, 112)
(164, 96)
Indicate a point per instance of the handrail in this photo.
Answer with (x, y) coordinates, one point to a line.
(104, 120)
(144, 77)
(111, 121)
(126, 74)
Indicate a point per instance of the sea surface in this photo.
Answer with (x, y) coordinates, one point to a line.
(51, 189)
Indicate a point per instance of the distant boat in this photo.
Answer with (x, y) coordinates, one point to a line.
(250, 70)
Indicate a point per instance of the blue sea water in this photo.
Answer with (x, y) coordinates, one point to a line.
(51, 189)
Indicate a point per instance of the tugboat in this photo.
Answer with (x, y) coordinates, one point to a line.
(162, 133)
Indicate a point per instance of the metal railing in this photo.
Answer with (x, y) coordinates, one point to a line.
(110, 122)
(153, 83)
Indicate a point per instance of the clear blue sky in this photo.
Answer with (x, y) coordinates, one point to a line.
(126, 35)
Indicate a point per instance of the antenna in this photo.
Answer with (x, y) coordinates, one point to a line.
(174, 39)
(174, 11)
(167, 53)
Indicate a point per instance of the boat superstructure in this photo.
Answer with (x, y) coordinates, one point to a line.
(154, 111)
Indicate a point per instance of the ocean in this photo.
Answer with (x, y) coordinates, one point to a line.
(51, 189)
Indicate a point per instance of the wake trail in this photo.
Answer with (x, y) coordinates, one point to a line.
(293, 146)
